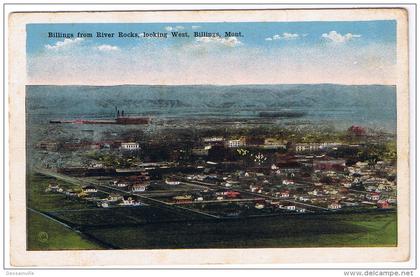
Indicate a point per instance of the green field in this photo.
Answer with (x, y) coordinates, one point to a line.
(118, 216)
(339, 230)
(45, 234)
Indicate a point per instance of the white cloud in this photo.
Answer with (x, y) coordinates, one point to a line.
(180, 65)
(230, 41)
(107, 48)
(176, 28)
(195, 27)
(66, 43)
(287, 36)
(284, 36)
(333, 36)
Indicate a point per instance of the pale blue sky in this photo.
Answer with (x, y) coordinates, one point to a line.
(268, 52)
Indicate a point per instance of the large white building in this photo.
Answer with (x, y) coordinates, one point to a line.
(130, 146)
(233, 143)
(214, 139)
(302, 147)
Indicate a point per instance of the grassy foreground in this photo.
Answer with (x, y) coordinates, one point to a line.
(45, 234)
(42, 232)
(340, 230)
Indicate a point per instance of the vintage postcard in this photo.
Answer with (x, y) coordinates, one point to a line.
(208, 137)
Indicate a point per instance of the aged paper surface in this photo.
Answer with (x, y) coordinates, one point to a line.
(200, 203)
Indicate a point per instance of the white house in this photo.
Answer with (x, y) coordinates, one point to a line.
(334, 206)
(301, 210)
(259, 206)
(303, 198)
(114, 197)
(139, 187)
(287, 182)
(120, 184)
(274, 167)
(291, 207)
(347, 184)
(172, 182)
(53, 188)
(129, 201)
(284, 194)
(374, 196)
(89, 189)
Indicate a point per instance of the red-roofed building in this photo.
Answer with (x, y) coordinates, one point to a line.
(383, 204)
(357, 130)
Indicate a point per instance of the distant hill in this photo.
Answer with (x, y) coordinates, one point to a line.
(365, 103)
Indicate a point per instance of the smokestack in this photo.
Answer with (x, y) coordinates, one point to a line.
(118, 113)
(122, 113)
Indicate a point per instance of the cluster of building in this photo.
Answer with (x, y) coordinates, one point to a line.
(264, 143)
(244, 141)
(325, 183)
(92, 194)
(268, 172)
(134, 183)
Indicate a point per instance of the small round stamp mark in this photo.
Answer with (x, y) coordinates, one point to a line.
(42, 236)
